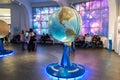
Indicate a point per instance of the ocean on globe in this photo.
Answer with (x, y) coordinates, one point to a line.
(64, 24)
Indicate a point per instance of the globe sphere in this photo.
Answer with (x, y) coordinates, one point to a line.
(4, 29)
(64, 24)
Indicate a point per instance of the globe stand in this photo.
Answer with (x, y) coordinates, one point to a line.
(4, 52)
(65, 69)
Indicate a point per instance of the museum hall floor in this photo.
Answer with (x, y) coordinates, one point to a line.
(100, 64)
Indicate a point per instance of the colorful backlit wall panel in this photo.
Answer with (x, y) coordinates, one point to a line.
(40, 19)
(95, 16)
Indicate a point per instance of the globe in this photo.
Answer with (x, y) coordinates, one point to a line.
(64, 24)
(4, 29)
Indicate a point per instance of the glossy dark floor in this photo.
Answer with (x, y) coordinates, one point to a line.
(24, 65)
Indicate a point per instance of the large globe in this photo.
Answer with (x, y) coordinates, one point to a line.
(64, 24)
(4, 29)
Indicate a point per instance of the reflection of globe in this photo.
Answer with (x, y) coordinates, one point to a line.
(64, 24)
(4, 29)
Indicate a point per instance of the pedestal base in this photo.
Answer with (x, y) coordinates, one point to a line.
(58, 71)
(4, 53)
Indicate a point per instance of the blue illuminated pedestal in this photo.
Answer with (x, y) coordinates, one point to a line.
(65, 69)
(4, 52)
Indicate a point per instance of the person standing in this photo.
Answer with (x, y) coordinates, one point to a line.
(31, 40)
(22, 39)
(9, 37)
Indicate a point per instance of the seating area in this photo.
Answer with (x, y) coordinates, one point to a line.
(15, 39)
(87, 41)
(45, 38)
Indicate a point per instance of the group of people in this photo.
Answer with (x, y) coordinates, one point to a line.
(29, 38)
(45, 37)
(25, 38)
(87, 41)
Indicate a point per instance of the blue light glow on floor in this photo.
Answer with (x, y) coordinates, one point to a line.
(8, 54)
(87, 74)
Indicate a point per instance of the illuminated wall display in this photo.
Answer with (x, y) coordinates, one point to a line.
(95, 16)
(40, 19)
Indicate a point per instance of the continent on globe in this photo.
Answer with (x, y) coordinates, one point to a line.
(65, 14)
(64, 24)
(70, 33)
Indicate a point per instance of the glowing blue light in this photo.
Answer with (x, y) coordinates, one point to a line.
(56, 78)
(85, 76)
(4, 55)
